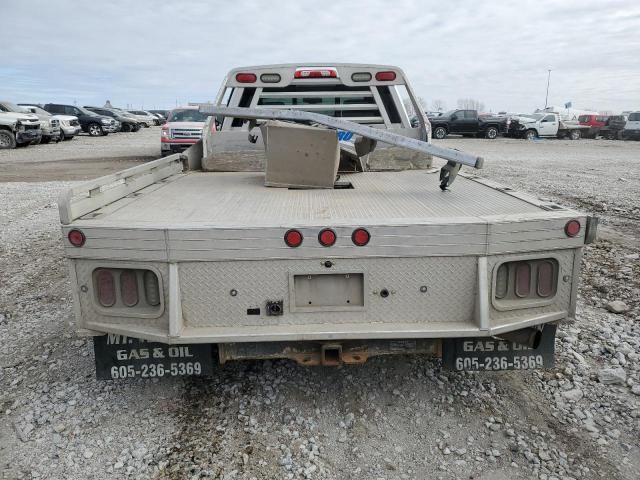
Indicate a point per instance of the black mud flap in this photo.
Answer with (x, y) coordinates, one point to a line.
(491, 353)
(122, 357)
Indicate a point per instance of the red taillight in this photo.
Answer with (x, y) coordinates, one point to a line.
(360, 237)
(523, 279)
(293, 238)
(385, 76)
(129, 288)
(76, 238)
(316, 73)
(106, 288)
(327, 237)
(246, 77)
(572, 228)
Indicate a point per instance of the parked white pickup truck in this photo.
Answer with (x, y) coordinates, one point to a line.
(197, 257)
(544, 125)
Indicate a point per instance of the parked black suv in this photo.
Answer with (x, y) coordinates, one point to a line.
(128, 124)
(467, 122)
(91, 123)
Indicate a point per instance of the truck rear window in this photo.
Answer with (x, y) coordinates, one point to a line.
(355, 103)
(634, 117)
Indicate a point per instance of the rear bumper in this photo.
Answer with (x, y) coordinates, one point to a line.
(216, 302)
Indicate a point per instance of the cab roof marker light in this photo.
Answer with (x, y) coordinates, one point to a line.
(270, 78)
(385, 76)
(361, 77)
(246, 77)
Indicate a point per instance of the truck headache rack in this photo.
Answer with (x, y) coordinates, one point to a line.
(455, 158)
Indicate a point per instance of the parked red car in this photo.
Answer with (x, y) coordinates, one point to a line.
(596, 122)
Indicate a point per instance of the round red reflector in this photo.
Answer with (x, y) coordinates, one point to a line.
(246, 77)
(327, 237)
(293, 238)
(385, 76)
(360, 237)
(572, 228)
(76, 238)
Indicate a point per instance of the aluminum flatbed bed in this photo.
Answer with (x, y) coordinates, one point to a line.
(214, 233)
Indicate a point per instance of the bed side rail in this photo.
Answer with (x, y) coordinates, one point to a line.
(95, 194)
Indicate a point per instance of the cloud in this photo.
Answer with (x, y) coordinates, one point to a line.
(156, 53)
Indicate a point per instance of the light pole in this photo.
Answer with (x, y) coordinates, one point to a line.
(546, 98)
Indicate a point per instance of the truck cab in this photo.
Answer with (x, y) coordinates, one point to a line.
(466, 122)
(371, 95)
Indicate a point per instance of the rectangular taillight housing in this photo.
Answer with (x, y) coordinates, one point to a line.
(124, 291)
(522, 283)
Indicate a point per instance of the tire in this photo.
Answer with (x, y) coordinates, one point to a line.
(7, 140)
(574, 135)
(491, 133)
(126, 127)
(530, 135)
(61, 137)
(95, 130)
(440, 133)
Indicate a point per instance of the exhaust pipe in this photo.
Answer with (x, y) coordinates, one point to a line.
(528, 337)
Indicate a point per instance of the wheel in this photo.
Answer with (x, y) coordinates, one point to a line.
(492, 133)
(95, 130)
(135, 128)
(126, 127)
(440, 133)
(530, 134)
(574, 135)
(7, 139)
(61, 137)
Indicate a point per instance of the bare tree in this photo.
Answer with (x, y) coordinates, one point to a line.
(470, 104)
(408, 105)
(438, 105)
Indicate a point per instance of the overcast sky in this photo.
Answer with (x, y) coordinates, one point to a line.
(153, 53)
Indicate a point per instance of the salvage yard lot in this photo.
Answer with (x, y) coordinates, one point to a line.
(391, 418)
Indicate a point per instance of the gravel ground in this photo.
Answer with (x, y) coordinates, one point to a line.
(81, 158)
(392, 418)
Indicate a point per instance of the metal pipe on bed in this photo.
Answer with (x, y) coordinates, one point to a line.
(373, 133)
